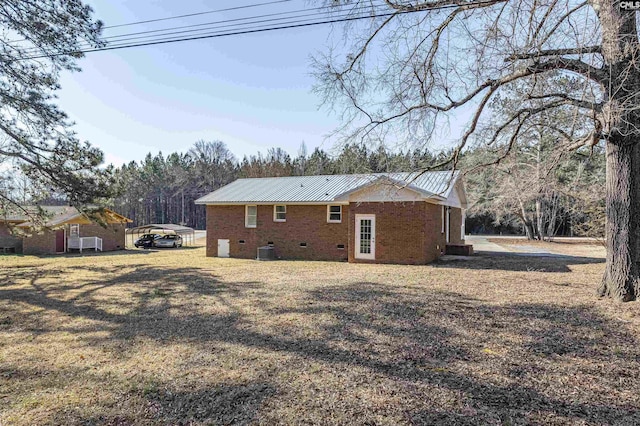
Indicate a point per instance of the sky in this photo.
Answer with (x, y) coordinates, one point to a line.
(250, 91)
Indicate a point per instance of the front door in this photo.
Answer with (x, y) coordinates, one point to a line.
(365, 236)
(60, 241)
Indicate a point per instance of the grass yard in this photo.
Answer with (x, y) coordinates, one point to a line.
(173, 337)
(559, 245)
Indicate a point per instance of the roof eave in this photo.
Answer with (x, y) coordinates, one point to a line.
(270, 203)
(399, 184)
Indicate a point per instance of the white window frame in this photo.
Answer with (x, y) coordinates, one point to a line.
(246, 216)
(447, 227)
(275, 213)
(372, 254)
(464, 219)
(329, 213)
(77, 228)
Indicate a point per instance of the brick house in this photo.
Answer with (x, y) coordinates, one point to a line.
(405, 218)
(65, 229)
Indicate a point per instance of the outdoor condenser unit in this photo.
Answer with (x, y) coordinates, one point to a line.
(266, 253)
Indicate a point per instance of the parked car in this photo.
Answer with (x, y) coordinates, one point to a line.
(168, 241)
(146, 240)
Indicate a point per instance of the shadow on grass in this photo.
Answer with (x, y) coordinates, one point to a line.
(513, 363)
(236, 404)
(519, 262)
(90, 253)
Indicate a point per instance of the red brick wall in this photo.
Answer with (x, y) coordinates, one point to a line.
(455, 218)
(435, 239)
(44, 243)
(8, 240)
(305, 224)
(113, 236)
(406, 233)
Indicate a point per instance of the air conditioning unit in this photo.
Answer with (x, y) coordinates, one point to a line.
(266, 253)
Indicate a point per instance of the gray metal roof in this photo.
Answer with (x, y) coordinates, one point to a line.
(325, 188)
(178, 229)
(56, 215)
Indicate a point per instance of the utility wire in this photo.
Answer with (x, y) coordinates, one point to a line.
(232, 33)
(182, 16)
(240, 31)
(213, 28)
(157, 34)
(249, 6)
(284, 17)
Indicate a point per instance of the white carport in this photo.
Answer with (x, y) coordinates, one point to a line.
(187, 234)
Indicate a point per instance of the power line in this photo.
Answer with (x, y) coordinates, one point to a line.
(250, 31)
(198, 14)
(212, 29)
(213, 22)
(249, 6)
(157, 39)
(213, 25)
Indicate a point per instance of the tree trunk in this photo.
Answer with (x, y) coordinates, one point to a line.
(539, 221)
(619, 121)
(528, 229)
(621, 275)
(554, 206)
(528, 224)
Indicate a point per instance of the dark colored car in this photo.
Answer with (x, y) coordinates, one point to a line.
(168, 241)
(146, 240)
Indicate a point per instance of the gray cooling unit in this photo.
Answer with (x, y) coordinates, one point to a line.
(266, 253)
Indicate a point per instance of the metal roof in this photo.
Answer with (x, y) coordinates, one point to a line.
(178, 229)
(58, 215)
(326, 188)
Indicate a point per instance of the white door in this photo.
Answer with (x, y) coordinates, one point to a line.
(365, 236)
(223, 248)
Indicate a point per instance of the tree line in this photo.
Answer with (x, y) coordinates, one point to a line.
(163, 189)
(530, 191)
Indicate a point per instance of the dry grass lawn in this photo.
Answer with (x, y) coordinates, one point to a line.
(172, 337)
(559, 246)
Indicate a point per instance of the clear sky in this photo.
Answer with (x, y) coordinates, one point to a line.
(251, 91)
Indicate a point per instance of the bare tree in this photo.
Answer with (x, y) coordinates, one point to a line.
(416, 62)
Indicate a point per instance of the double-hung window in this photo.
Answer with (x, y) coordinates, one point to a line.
(279, 213)
(334, 214)
(250, 216)
(74, 230)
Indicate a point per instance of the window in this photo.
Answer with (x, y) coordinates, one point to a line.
(443, 214)
(250, 216)
(279, 213)
(74, 230)
(334, 214)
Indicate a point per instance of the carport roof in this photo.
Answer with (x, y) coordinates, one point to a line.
(178, 229)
